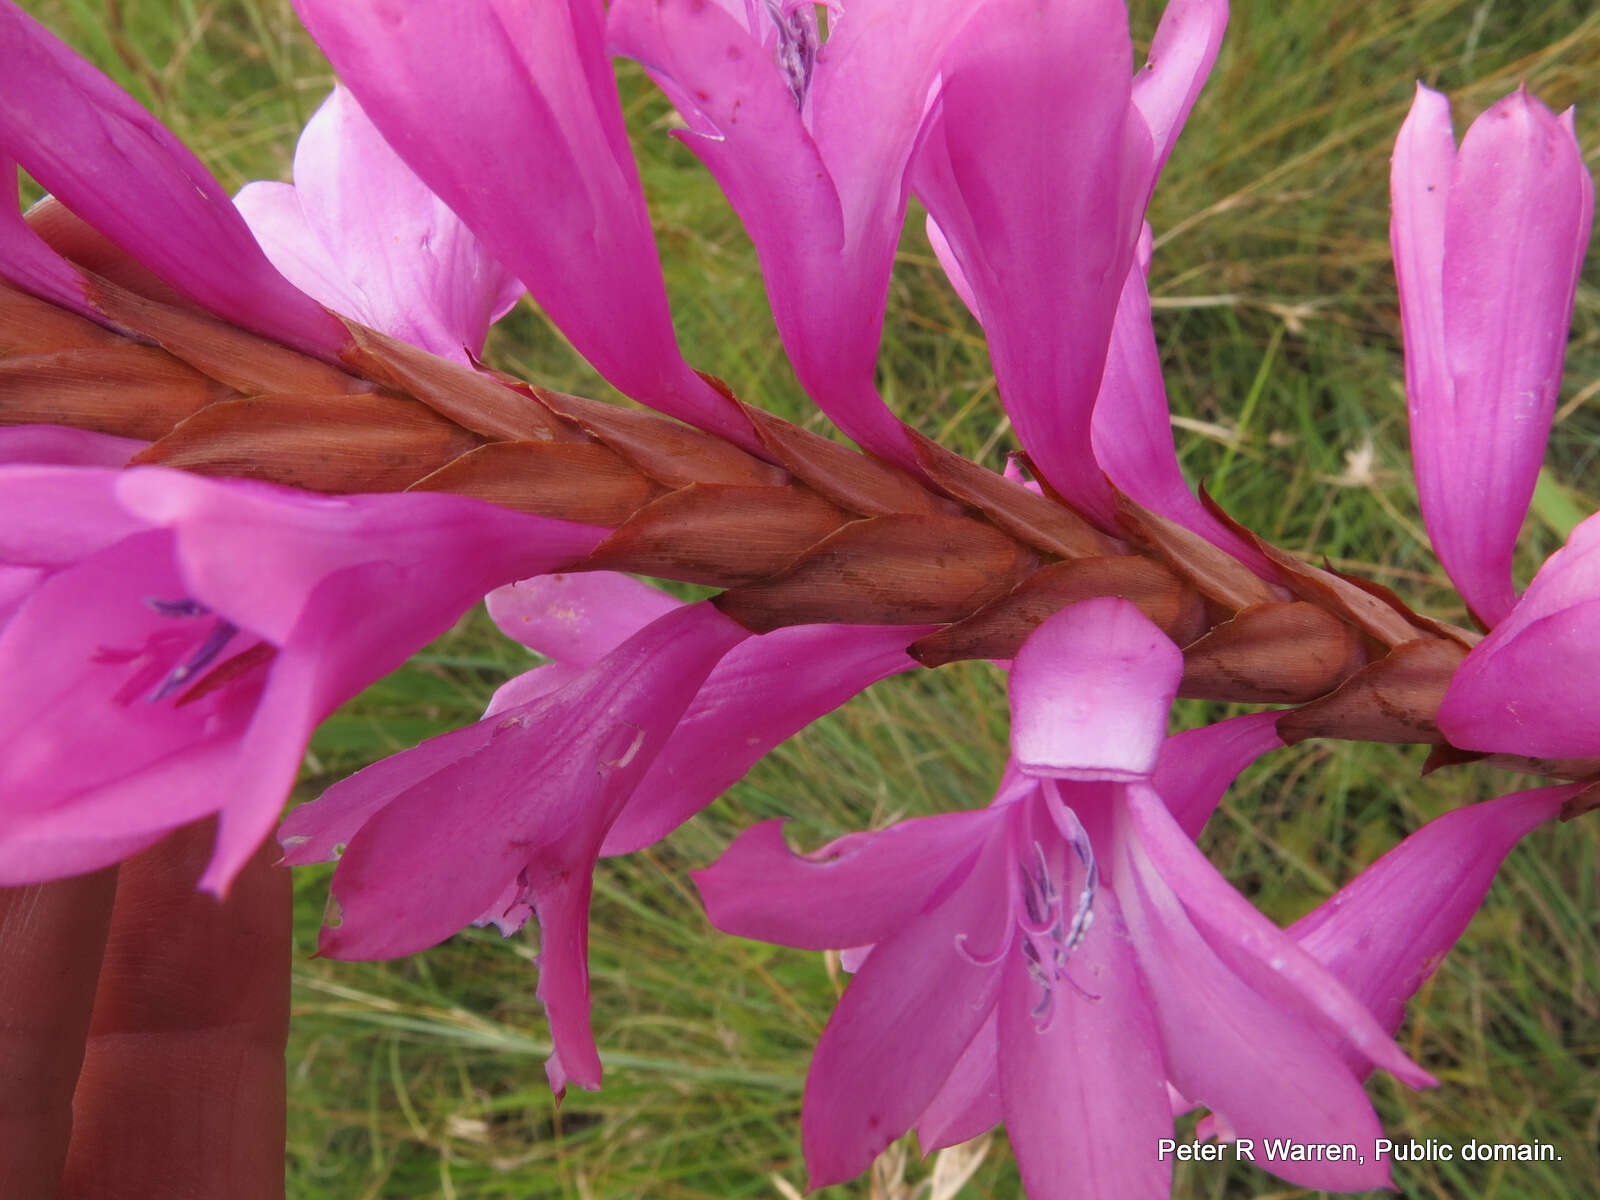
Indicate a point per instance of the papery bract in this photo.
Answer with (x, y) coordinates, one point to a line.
(188, 634)
(359, 232)
(508, 111)
(1488, 243)
(999, 937)
(1528, 688)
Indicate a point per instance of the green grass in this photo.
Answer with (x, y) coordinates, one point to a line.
(1277, 318)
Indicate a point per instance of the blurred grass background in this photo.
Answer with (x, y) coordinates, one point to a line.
(1277, 318)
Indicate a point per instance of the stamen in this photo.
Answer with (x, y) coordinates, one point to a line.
(216, 641)
(184, 607)
(797, 43)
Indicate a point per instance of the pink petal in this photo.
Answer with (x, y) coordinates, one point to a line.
(1042, 214)
(533, 805)
(903, 1023)
(1085, 1095)
(531, 685)
(1234, 1050)
(577, 618)
(1195, 767)
(968, 1101)
(119, 169)
(443, 84)
(27, 261)
(1528, 688)
(410, 265)
(278, 222)
(1508, 242)
(1260, 953)
(860, 889)
(765, 691)
(1181, 54)
(58, 515)
(1090, 692)
(61, 446)
(1384, 933)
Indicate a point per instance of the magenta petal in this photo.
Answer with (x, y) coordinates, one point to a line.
(1386, 930)
(577, 618)
(532, 805)
(1085, 1094)
(1502, 251)
(1195, 767)
(444, 83)
(117, 167)
(858, 890)
(29, 263)
(1181, 53)
(903, 1023)
(1042, 215)
(765, 691)
(968, 1101)
(1260, 953)
(1528, 688)
(1090, 691)
(1232, 1049)
(530, 686)
(57, 515)
(62, 446)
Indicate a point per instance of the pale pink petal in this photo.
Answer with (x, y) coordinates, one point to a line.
(533, 805)
(1384, 933)
(108, 160)
(1514, 226)
(1084, 1087)
(1037, 177)
(904, 1021)
(410, 265)
(530, 685)
(968, 1101)
(577, 618)
(558, 203)
(276, 218)
(1195, 767)
(1233, 1050)
(1260, 953)
(765, 691)
(1090, 692)
(1528, 688)
(860, 889)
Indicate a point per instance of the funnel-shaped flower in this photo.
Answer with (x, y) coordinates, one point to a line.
(1529, 687)
(701, 730)
(1054, 959)
(119, 169)
(185, 635)
(1039, 157)
(359, 232)
(810, 142)
(1488, 242)
(508, 111)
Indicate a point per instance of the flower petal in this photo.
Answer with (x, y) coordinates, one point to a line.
(108, 160)
(968, 1101)
(1195, 767)
(903, 1023)
(1085, 1095)
(1090, 692)
(1181, 54)
(63, 446)
(1386, 930)
(1232, 1049)
(765, 691)
(577, 618)
(860, 889)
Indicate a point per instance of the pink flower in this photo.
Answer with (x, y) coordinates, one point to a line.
(504, 819)
(508, 111)
(359, 232)
(181, 637)
(810, 141)
(1053, 960)
(1488, 243)
(1039, 156)
(119, 169)
(1528, 688)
